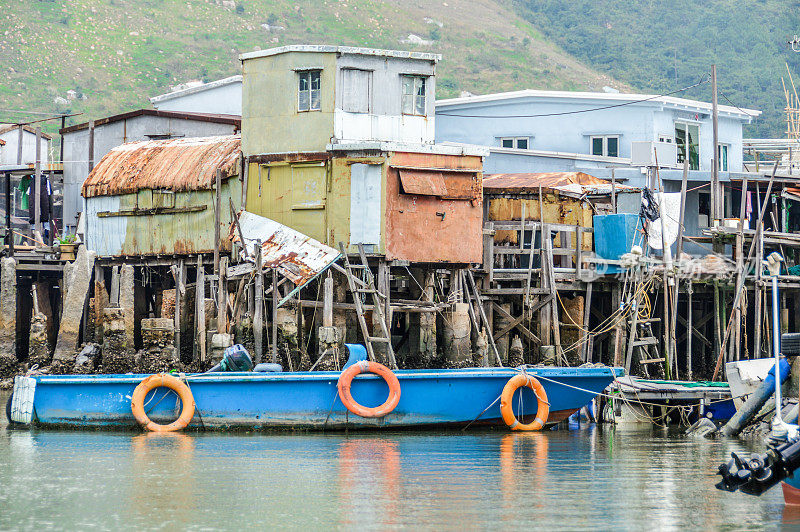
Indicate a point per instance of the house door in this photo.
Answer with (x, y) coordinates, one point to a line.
(365, 205)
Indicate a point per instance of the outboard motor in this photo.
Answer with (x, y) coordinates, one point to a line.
(760, 472)
(236, 358)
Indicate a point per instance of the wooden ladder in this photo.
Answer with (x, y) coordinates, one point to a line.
(641, 338)
(358, 287)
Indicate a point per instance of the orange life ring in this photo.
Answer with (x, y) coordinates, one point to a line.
(167, 381)
(365, 366)
(515, 382)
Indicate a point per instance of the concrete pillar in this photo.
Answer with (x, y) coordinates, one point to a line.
(38, 345)
(422, 325)
(8, 317)
(515, 353)
(127, 304)
(158, 345)
(502, 343)
(481, 355)
(456, 335)
(117, 353)
(71, 317)
(288, 350)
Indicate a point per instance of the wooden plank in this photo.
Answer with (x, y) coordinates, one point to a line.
(200, 300)
(37, 186)
(585, 334)
(258, 311)
(222, 297)
(275, 297)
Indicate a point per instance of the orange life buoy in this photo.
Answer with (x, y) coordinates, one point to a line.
(365, 366)
(506, 397)
(167, 381)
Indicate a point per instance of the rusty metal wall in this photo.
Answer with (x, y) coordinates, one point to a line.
(557, 209)
(423, 228)
(188, 229)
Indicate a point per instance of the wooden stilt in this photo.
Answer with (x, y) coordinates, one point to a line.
(200, 297)
(276, 294)
(258, 310)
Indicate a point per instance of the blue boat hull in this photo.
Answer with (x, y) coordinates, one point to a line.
(307, 400)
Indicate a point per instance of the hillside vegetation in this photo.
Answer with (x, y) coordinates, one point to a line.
(100, 57)
(661, 46)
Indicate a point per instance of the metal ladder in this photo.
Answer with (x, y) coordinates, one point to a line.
(358, 287)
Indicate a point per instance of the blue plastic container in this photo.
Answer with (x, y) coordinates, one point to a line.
(614, 235)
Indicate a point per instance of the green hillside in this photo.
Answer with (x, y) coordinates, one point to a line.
(660, 46)
(100, 57)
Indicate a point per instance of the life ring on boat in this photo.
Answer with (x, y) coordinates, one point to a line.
(514, 383)
(365, 366)
(166, 381)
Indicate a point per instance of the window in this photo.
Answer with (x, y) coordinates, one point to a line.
(687, 138)
(413, 102)
(308, 93)
(605, 145)
(722, 157)
(520, 143)
(356, 90)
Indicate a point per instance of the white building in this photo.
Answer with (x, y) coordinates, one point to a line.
(223, 97)
(9, 134)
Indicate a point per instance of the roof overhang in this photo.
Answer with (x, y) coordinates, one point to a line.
(342, 50)
(233, 120)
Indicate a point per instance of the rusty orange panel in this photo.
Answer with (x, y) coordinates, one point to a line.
(423, 228)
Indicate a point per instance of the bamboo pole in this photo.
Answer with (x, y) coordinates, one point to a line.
(740, 286)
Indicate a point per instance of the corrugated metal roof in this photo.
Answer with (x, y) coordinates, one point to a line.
(574, 182)
(296, 256)
(172, 164)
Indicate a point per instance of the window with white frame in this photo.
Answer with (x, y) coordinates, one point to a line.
(722, 157)
(308, 90)
(520, 143)
(413, 100)
(605, 145)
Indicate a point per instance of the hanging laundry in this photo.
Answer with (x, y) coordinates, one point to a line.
(649, 209)
(669, 205)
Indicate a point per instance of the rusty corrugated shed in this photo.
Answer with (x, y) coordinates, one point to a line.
(522, 183)
(174, 164)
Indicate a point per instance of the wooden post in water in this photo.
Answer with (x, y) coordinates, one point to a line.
(689, 329)
(757, 317)
(200, 298)
(180, 291)
(276, 294)
(222, 296)
(258, 311)
(37, 188)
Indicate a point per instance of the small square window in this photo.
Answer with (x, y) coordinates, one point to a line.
(612, 147)
(597, 145)
(413, 99)
(308, 91)
(605, 145)
(520, 143)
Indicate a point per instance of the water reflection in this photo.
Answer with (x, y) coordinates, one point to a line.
(583, 479)
(369, 481)
(163, 480)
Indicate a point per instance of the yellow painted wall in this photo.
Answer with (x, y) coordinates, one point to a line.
(310, 197)
(271, 122)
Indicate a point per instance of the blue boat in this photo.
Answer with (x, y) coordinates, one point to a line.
(304, 400)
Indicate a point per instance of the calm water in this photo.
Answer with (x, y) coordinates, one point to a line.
(626, 479)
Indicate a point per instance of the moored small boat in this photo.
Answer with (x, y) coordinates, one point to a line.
(305, 400)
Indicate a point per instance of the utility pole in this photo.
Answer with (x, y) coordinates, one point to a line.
(718, 208)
